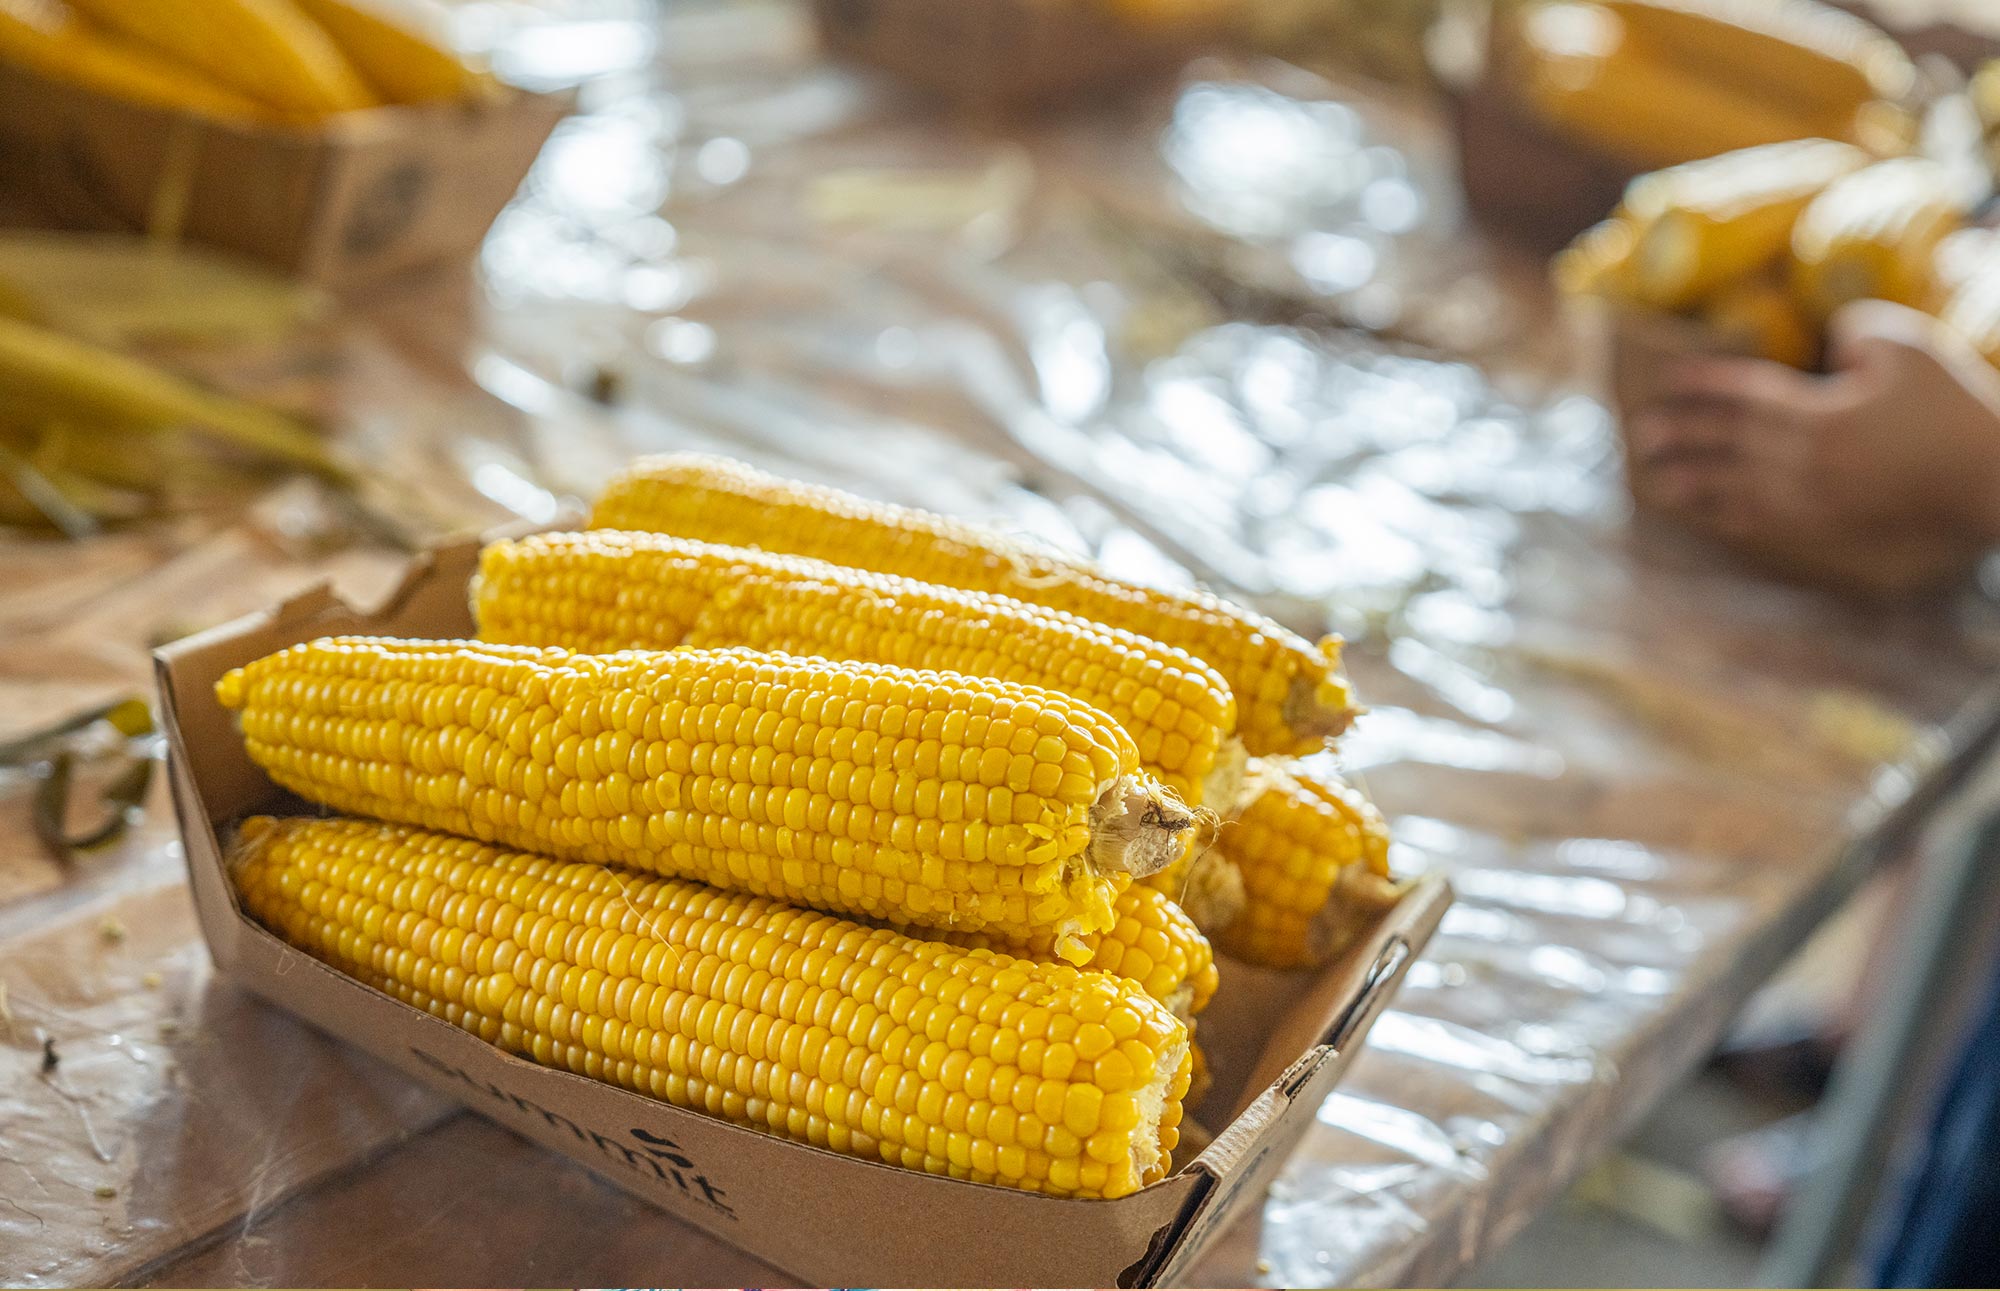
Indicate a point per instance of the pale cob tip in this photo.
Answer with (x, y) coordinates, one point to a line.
(1137, 827)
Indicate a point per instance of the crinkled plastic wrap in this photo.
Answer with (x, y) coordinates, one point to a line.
(1234, 332)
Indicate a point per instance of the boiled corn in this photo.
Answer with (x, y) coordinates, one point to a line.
(609, 590)
(1290, 696)
(1315, 860)
(909, 797)
(860, 1040)
(401, 61)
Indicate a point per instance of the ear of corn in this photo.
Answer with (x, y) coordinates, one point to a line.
(45, 37)
(1707, 224)
(1154, 943)
(1315, 861)
(400, 61)
(265, 49)
(1204, 883)
(608, 590)
(908, 797)
(1578, 69)
(1792, 51)
(860, 1040)
(1290, 696)
(1874, 235)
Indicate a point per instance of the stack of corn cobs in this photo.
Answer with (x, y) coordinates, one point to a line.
(915, 856)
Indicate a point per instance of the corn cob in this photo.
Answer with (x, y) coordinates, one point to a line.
(606, 590)
(67, 378)
(1874, 235)
(1793, 51)
(1154, 944)
(45, 37)
(908, 797)
(1709, 224)
(856, 1039)
(400, 61)
(1582, 74)
(1290, 696)
(1761, 316)
(1315, 861)
(264, 49)
(1204, 883)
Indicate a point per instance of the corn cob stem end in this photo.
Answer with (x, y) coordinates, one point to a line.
(1137, 827)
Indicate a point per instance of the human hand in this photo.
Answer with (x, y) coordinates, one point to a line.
(1882, 476)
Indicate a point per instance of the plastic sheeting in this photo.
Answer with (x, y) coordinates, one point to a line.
(1234, 332)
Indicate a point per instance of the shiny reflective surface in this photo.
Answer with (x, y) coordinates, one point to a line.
(1118, 333)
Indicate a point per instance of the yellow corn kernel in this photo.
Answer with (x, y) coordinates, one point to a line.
(1874, 236)
(1708, 225)
(1290, 696)
(678, 991)
(45, 37)
(264, 49)
(910, 797)
(1315, 860)
(608, 590)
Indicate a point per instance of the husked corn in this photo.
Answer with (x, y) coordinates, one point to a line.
(1874, 235)
(860, 1040)
(609, 590)
(1154, 944)
(1315, 860)
(1708, 224)
(1205, 883)
(386, 42)
(1290, 696)
(265, 49)
(910, 797)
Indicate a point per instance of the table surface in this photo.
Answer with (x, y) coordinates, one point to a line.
(1234, 330)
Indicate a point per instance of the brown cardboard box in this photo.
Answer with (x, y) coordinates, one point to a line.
(367, 195)
(1278, 1044)
(1004, 55)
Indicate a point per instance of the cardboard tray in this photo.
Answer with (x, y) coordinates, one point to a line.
(1278, 1045)
(366, 195)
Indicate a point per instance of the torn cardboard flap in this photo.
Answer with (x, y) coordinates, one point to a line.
(743, 1185)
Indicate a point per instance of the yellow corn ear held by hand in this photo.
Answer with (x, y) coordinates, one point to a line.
(265, 49)
(1707, 225)
(45, 37)
(918, 1054)
(1875, 235)
(398, 58)
(902, 796)
(1314, 854)
(1290, 694)
(608, 590)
